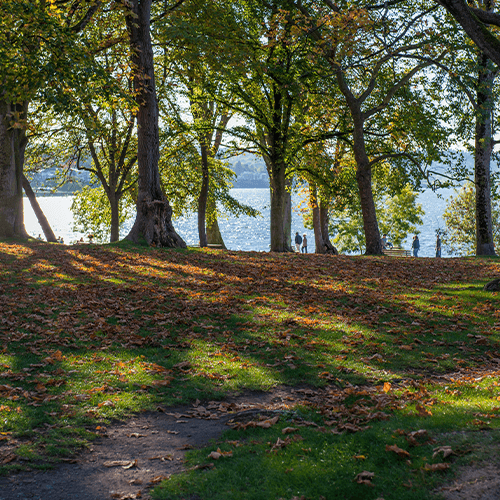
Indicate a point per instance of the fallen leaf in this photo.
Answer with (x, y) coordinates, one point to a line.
(120, 463)
(365, 477)
(159, 479)
(288, 430)
(396, 449)
(436, 467)
(422, 411)
(445, 450)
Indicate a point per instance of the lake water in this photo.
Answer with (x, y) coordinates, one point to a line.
(243, 233)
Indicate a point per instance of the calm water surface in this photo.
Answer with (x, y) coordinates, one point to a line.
(243, 233)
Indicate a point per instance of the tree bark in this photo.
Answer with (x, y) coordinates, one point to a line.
(12, 145)
(475, 29)
(114, 203)
(278, 188)
(482, 157)
(203, 197)
(42, 220)
(324, 222)
(287, 216)
(364, 180)
(320, 223)
(153, 221)
(214, 236)
(318, 236)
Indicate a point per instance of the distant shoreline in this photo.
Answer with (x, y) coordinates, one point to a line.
(244, 184)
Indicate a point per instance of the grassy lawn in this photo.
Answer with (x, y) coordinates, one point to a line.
(387, 347)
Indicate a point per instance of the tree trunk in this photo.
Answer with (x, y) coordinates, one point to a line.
(114, 203)
(287, 216)
(278, 189)
(153, 221)
(42, 220)
(320, 223)
(12, 146)
(370, 224)
(214, 237)
(364, 180)
(318, 236)
(203, 197)
(482, 157)
(324, 222)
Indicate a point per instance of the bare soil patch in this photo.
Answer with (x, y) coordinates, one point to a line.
(151, 446)
(477, 482)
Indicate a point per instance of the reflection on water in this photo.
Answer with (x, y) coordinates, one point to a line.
(243, 233)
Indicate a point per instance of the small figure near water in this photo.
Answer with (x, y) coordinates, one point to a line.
(385, 244)
(415, 245)
(298, 241)
(304, 244)
(438, 246)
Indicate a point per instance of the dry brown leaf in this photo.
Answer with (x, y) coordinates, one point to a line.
(422, 411)
(266, 424)
(445, 450)
(159, 479)
(215, 455)
(120, 463)
(9, 457)
(436, 467)
(396, 449)
(288, 430)
(203, 466)
(365, 477)
(131, 464)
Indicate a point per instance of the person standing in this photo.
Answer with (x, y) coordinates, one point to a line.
(438, 246)
(416, 246)
(304, 244)
(298, 241)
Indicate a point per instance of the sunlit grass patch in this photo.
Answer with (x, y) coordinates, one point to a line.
(96, 333)
(309, 461)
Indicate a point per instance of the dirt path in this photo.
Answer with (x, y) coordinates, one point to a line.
(150, 446)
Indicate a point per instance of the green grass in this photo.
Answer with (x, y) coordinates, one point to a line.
(98, 333)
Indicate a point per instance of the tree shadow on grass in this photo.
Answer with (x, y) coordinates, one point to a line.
(241, 322)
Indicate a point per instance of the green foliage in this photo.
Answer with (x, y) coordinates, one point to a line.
(398, 215)
(460, 219)
(92, 212)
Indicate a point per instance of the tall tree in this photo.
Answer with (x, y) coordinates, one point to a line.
(153, 221)
(36, 38)
(473, 92)
(371, 56)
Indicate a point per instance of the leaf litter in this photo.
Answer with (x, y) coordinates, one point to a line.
(54, 329)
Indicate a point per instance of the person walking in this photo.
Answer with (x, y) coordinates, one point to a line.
(304, 244)
(438, 246)
(298, 241)
(415, 245)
